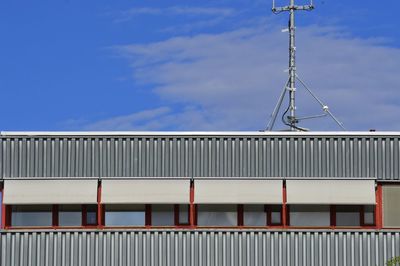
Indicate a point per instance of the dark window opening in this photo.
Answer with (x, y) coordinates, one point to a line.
(162, 215)
(183, 214)
(254, 215)
(35, 215)
(274, 214)
(217, 215)
(368, 215)
(125, 215)
(348, 215)
(89, 215)
(309, 215)
(70, 215)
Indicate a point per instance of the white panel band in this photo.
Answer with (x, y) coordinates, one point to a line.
(238, 191)
(50, 192)
(347, 192)
(156, 191)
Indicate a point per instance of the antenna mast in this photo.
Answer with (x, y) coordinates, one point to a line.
(291, 120)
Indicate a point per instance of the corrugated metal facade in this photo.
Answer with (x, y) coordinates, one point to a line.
(199, 156)
(198, 248)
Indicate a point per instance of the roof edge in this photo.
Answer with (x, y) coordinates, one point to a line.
(198, 133)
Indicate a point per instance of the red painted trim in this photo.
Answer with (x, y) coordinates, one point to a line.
(147, 215)
(268, 215)
(240, 215)
(333, 216)
(379, 207)
(192, 207)
(100, 221)
(8, 216)
(84, 216)
(3, 208)
(54, 212)
(285, 209)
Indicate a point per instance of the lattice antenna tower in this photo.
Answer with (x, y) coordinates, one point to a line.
(291, 120)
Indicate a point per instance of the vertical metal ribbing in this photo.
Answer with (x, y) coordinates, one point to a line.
(308, 156)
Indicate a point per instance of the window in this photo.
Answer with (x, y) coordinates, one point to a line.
(25, 215)
(90, 215)
(274, 214)
(254, 215)
(348, 215)
(391, 210)
(183, 214)
(217, 215)
(369, 215)
(70, 215)
(309, 215)
(125, 215)
(162, 215)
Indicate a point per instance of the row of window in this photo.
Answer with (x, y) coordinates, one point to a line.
(179, 215)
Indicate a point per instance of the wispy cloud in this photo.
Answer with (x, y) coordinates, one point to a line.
(235, 77)
(176, 11)
(231, 80)
(147, 119)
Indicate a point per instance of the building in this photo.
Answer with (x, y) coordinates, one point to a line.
(199, 198)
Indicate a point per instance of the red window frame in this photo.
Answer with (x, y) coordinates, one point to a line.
(7, 222)
(333, 217)
(240, 216)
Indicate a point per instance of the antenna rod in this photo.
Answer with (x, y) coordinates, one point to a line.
(292, 68)
(291, 119)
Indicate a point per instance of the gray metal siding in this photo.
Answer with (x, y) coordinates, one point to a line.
(198, 248)
(186, 156)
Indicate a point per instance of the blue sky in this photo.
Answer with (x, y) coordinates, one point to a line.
(193, 65)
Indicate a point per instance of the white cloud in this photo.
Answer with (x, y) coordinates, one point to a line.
(176, 11)
(146, 119)
(231, 80)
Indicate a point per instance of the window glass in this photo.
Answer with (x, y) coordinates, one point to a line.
(70, 215)
(217, 215)
(254, 215)
(162, 215)
(369, 214)
(184, 214)
(347, 216)
(125, 215)
(276, 215)
(24, 215)
(309, 215)
(91, 215)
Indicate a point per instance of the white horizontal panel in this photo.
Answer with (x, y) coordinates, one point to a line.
(346, 192)
(50, 192)
(145, 191)
(238, 191)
